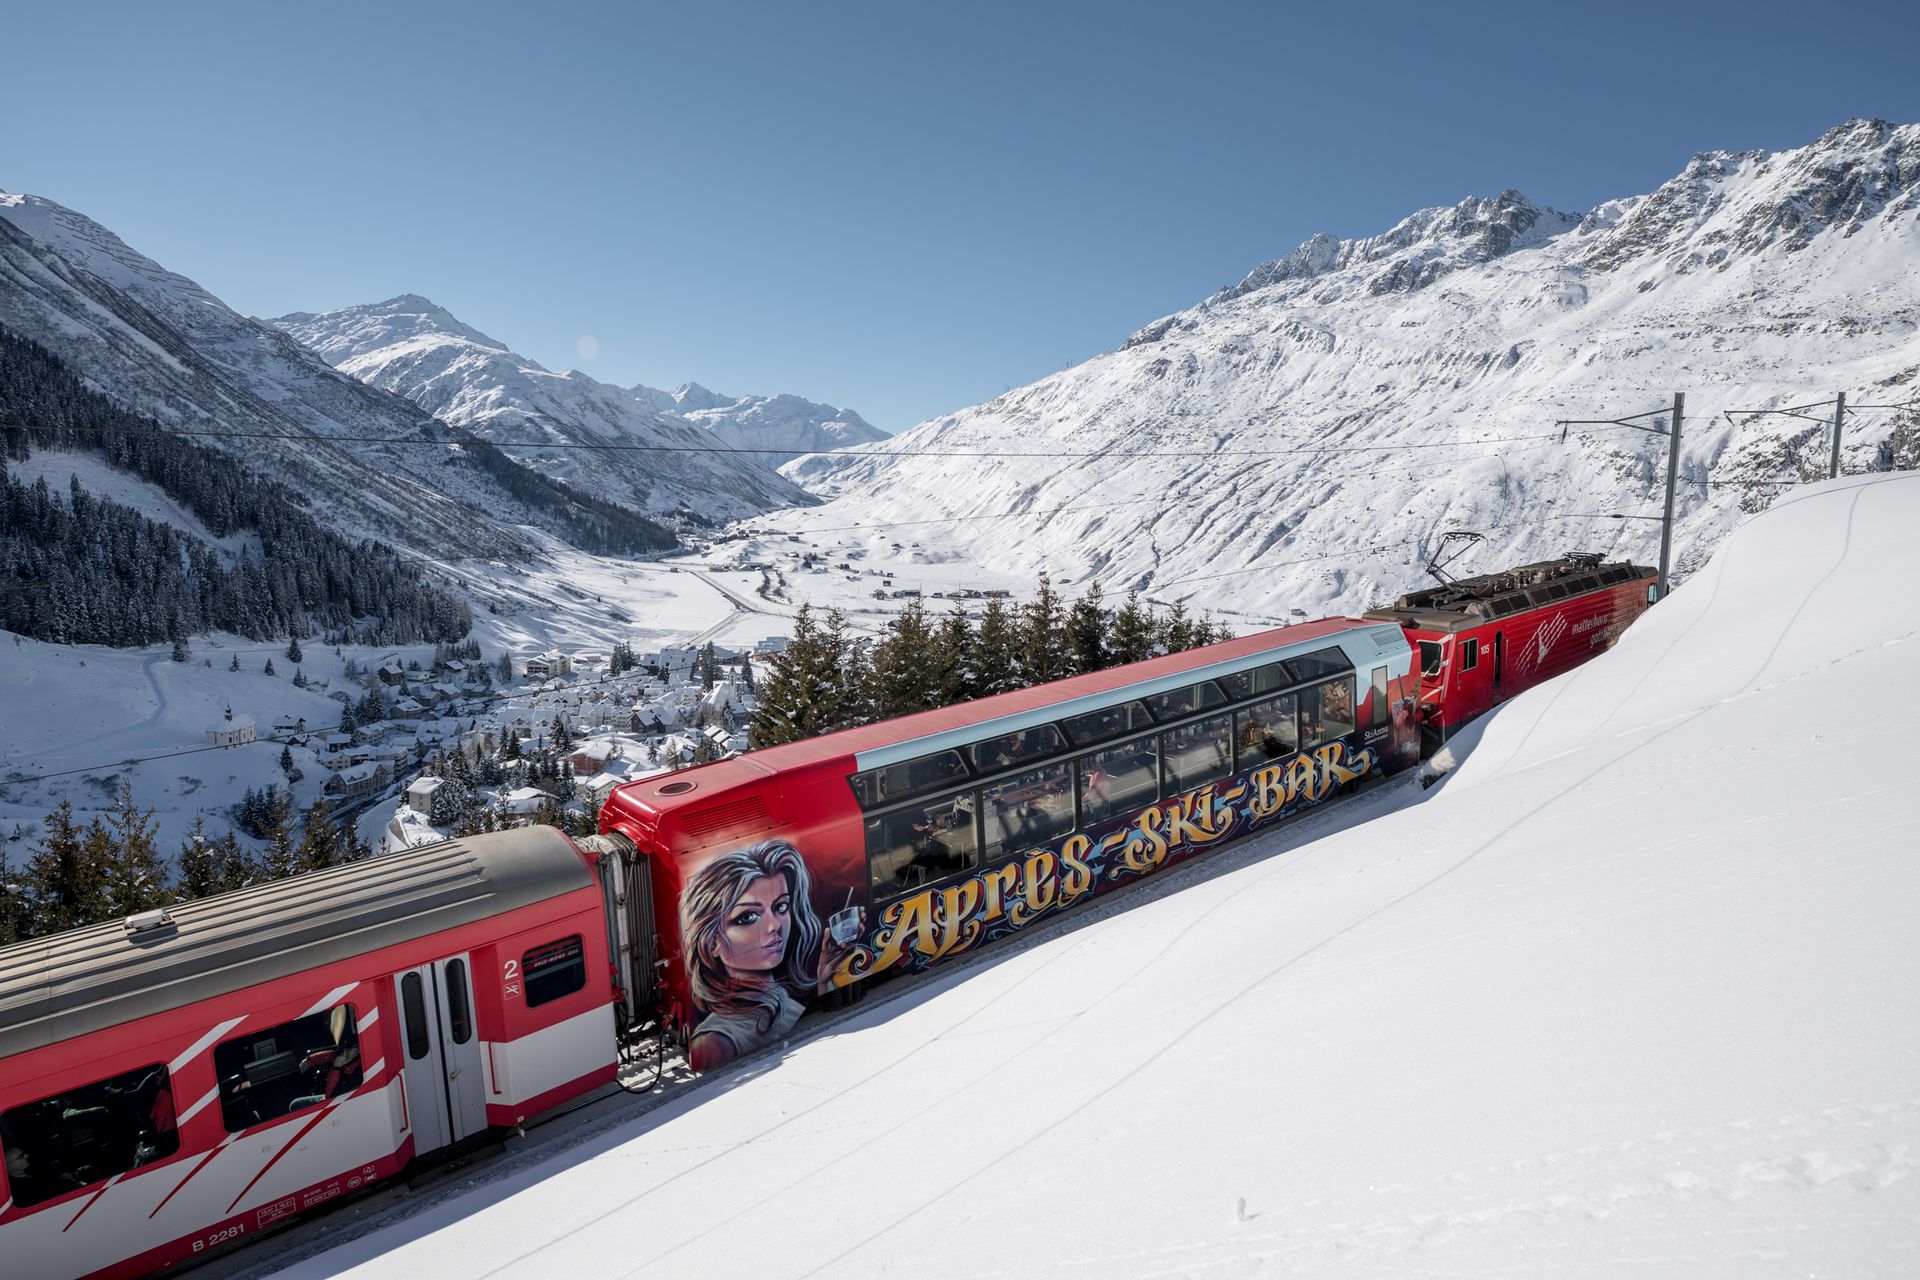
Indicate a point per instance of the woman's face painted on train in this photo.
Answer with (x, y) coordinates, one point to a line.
(754, 937)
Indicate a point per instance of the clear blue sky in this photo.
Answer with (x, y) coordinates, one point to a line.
(904, 208)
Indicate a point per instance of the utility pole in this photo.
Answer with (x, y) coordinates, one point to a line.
(1673, 476)
(1839, 416)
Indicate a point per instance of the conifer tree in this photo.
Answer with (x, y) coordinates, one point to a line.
(13, 902)
(293, 651)
(268, 669)
(235, 664)
(180, 650)
(286, 761)
(1044, 651)
(799, 689)
(199, 873)
(239, 867)
(282, 858)
(136, 875)
(320, 843)
(1087, 625)
(505, 671)
(950, 664)
(1175, 631)
(996, 652)
(1133, 637)
(64, 889)
(903, 679)
(847, 701)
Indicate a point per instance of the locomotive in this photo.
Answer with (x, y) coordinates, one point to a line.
(194, 1076)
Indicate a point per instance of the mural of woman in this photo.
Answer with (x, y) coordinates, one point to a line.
(755, 949)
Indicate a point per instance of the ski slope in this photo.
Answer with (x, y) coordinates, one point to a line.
(1632, 993)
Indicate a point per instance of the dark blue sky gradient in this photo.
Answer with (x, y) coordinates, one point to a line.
(901, 208)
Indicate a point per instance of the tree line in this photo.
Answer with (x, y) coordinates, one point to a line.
(75, 569)
(111, 867)
(827, 679)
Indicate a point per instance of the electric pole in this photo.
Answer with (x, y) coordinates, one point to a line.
(1839, 416)
(1673, 477)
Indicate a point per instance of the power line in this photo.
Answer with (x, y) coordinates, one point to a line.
(587, 447)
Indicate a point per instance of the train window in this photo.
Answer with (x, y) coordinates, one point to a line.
(1266, 731)
(413, 1007)
(883, 786)
(459, 1007)
(1319, 664)
(87, 1135)
(1184, 702)
(921, 842)
(1380, 710)
(1018, 748)
(279, 1070)
(1249, 684)
(1028, 810)
(1118, 780)
(1469, 654)
(1430, 657)
(1197, 753)
(1326, 712)
(558, 969)
(1109, 722)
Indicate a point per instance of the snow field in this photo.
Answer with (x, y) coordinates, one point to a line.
(1630, 992)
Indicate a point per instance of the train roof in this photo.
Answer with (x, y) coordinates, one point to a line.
(1473, 602)
(86, 980)
(904, 736)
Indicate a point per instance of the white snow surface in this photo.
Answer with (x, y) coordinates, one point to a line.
(1630, 993)
(1327, 418)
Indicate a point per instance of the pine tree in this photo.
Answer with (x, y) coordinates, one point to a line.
(286, 761)
(1044, 650)
(800, 688)
(348, 721)
(293, 651)
(950, 666)
(238, 865)
(299, 679)
(1132, 637)
(235, 664)
(268, 669)
(13, 902)
(136, 875)
(320, 844)
(282, 858)
(199, 873)
(180, 651)
(1087, 625)
(903, 679)
(1175, 631)
(63, 888)
(709, 667)
(848, 700)
(504, 673)
(996, 652)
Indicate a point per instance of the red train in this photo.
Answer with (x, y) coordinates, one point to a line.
(192, 1077)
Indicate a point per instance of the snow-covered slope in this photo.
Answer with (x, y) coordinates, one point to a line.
(161, 345)
(1630, 993)
(1331, 413)
(411, 347)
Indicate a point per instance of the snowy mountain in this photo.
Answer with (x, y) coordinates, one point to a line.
(787, 424)
(1610, 1000)
(1326, 417)
(162, 346)
(412, 348)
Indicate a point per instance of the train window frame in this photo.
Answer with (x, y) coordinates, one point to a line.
(999, 754)
(897, 884)
(1056, 776)
(59, 1143)
(1244, 686)
(413, 1016)
(1307, 668)
(1133, 714)
(1318, 693)
(1160, 705)
(1244, 757)
(873, 788)
(340, 1072)
(1432, 649)
(1084, 767)
(1470, 653)
(1381, 712)
(1225, 769)
(562, 961)
(459, 1001)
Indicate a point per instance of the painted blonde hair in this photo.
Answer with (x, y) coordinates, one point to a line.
(709, 899)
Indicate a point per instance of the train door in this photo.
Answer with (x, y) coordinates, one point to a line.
(1499, 659)
(446, 1098)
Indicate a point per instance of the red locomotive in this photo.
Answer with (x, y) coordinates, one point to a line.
(1482, 640)
(191, 1077)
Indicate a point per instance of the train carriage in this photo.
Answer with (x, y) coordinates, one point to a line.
(892, 846)
(1483, 640)
(194, 1076)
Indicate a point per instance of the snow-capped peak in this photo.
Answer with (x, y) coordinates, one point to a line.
(348, 332)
